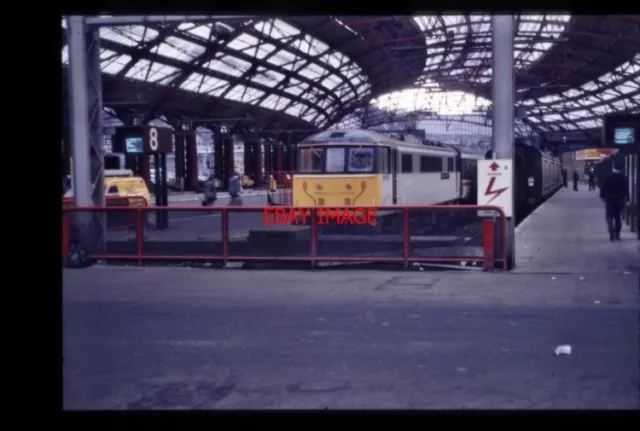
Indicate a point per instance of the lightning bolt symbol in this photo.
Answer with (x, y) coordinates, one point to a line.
(496, 192)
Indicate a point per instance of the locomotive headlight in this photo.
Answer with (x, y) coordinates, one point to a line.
(530, 181)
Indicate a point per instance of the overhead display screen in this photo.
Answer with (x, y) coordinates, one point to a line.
(621, 131)
(133, 145)
(623, 136)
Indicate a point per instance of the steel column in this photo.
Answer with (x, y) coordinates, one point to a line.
(192, 161)
(218, 159)
(256, 163)
(179, 140)
(279, 162)
(503, 87)
(85, 105)
(248, 162)
(229, 162)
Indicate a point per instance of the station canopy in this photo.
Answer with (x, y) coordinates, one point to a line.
(356, 71)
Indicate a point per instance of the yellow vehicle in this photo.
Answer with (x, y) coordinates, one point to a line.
(247, 181)
(122, 183)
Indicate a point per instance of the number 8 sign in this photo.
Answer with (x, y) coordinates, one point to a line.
(153, 139)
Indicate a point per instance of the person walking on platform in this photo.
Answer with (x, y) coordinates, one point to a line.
(565, 180)
(209, 191)
(235, 188)
(592, 178)
(576, 177)
(615, 194)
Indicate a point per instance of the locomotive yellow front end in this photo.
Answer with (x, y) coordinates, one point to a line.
(337, 175)
(337, 190)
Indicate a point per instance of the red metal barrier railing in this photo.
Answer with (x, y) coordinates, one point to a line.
(488, 227)
(114, 201)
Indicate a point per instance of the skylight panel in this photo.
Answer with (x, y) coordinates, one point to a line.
(295, 110)
(312, 71)
(285, 29)
(115, 64)
(270, 102)
(589, 124)
(282, 57)
(203, 32)
(160, 71)
(211, 84)
(193, 82)
(229, 66)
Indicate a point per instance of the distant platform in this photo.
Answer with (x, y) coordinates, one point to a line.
(568, 234)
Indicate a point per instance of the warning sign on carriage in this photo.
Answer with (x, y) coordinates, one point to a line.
(495, 186)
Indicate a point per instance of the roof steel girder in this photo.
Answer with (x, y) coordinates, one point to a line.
(146, 19)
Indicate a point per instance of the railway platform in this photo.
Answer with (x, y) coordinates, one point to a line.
(568, 234)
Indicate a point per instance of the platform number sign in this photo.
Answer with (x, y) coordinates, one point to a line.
(153, 139)
(158, 139)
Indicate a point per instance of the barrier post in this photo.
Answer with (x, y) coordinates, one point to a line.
(139, 234)
(314, 237)
(406, 238)
(65, 238)
(225, 235)
(488, 244)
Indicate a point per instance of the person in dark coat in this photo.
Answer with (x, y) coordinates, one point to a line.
(592, 178)
(615, 194)
(576, 177)
(235, 189)
(209, 191)
(565, 179)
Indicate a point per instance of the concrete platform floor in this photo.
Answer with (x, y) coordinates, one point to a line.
(168, 338)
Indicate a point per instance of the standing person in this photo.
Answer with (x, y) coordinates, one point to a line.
(576, 177)
(615, 194)
(565, 180)
(209, 191)
(592, 178)
(235, 188)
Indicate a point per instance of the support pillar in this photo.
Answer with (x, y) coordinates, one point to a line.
(85, 105)
(503, 104)
(248, 165)
(180, 160)
(218, 160)
(268, 159)
(192, 161)
(144, 169)
(256, 162)
(291, 158)
(228, 162)
(279, 162)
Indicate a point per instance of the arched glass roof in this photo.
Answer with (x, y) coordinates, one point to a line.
(458, 71)
(268, 63)
(460, 45)
(569, 70)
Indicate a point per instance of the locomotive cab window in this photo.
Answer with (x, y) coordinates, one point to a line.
(335, 160)
(407, 163)
(361, 160)
(310, 160)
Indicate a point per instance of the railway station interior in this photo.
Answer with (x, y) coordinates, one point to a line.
(488, 281)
